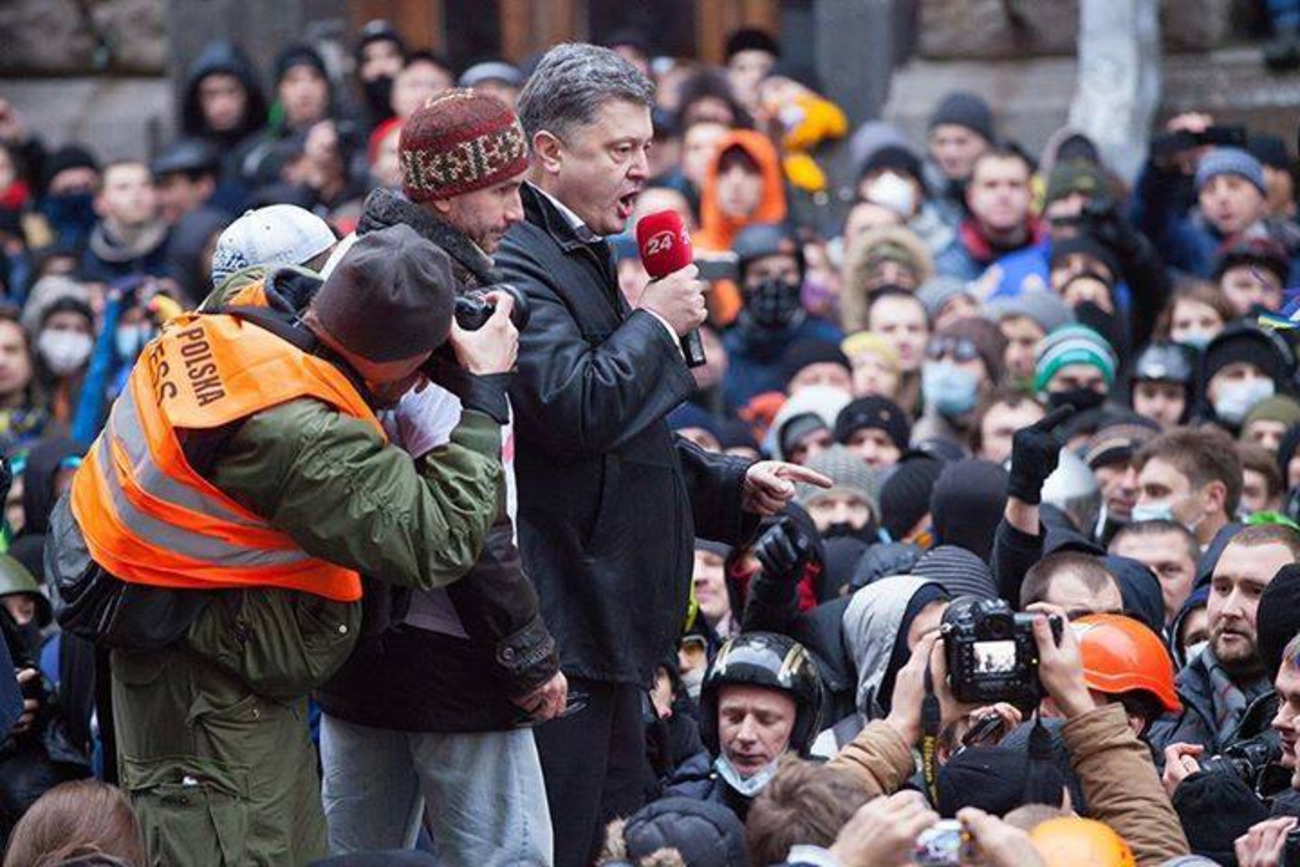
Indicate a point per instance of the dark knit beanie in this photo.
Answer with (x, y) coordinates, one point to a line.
(1254, 253)
(966, 505)
(905, 497)
(874, 413)
(1216, 809)
(750, 39)
(961, 572)
(1088, 246)
(993, 779)
(895, 158)
(68, 157)
(802, 353)
(299, 55)
(704, 833)
(1244, 343)
(390, 298)
(961, 108)
(377, 30)
(458, 142)
(1277, 619)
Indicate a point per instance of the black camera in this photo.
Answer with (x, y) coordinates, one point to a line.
(474, 308)
(1247, 759)
(991, 652)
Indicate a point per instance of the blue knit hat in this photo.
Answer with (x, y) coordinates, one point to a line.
(1230, 161)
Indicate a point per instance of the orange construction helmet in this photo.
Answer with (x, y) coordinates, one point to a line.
(1074, 842)
(1121, 655)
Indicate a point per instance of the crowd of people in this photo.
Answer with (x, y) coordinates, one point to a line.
(362, 506)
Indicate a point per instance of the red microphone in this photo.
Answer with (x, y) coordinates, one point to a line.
(666, 247)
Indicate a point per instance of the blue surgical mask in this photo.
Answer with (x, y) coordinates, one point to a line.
(1236, 399)
(748, 786)
(1153, 512)
(1197, 340)
(951, 390)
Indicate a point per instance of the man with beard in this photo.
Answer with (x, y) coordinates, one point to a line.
(1219, 684)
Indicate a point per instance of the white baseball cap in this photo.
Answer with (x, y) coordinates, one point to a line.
(274, 235)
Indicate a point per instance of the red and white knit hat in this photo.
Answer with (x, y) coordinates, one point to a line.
(458, 142)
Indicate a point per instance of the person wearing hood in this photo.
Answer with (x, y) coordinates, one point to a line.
(743, 186)
(963, 364)
(960, 131)
(771, 318)
(1244, 366)
(761, 698)
(805, 425)
(222, 101)
(999, 201)
(378, 56)
(72, 176)
(1218, 684)
(304, 95)
(882, 625)
(130, 237)
(966, 505)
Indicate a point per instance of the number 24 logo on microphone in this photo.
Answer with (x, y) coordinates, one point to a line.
(663, 242)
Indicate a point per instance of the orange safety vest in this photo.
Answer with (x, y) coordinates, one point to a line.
(147, 516)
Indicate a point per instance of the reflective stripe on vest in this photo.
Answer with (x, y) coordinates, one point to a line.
(148, 517)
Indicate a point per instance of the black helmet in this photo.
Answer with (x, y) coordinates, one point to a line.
(1165, 362)
(768, 660)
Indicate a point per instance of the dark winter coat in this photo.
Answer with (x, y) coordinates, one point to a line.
(610, 501)
(416, 679)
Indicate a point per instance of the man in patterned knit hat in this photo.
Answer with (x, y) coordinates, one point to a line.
(435, 706)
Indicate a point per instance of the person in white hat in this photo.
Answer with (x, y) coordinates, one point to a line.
(271, 236)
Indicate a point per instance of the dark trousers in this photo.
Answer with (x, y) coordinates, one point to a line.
(594, 762)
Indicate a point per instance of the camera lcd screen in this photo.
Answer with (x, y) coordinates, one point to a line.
(995, 657)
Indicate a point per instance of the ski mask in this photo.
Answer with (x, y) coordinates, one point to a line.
(379, 93)
(773, 304)
(844, 530)
(1080, 398)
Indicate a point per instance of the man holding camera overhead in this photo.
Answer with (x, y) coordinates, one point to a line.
(435, 704)
(216, 534)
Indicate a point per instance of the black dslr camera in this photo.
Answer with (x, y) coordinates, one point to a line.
(474, 308)
(1248, 759)
(991, 652)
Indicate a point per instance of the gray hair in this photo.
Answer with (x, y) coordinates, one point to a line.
(572, 82)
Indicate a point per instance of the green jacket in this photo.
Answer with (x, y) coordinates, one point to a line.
(212, 734)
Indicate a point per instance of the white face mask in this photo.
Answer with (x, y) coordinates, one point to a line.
(64, 351)
(1236, 399)
(1161, 512)
(893, 192)
(748, 786)
(693, 680)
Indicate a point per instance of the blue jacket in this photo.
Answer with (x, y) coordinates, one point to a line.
(754, 356)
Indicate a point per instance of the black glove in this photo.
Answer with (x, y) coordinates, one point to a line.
(1035, 451)
(782, 551)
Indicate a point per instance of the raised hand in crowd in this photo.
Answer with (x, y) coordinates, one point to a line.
(994, 843)
(769, 485)
(883, 832)
(1060, 665)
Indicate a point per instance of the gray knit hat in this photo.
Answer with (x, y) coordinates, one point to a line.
(1230, 161)
(936, 292)
(390, 298)
(961, 572)
(1046, 308)
(848, 473)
